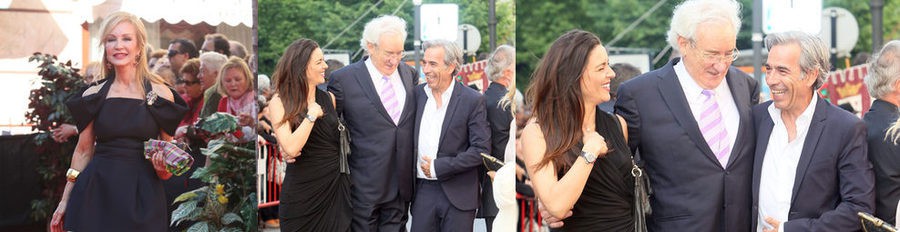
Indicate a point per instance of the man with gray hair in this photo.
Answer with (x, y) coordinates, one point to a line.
(210, 63)
(375, 98)
(451, 133)
(810, 171)
(501, 71)
(689, 124)
(883, 83)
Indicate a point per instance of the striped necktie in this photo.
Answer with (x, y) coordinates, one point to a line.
(713, 128)
(389, 99)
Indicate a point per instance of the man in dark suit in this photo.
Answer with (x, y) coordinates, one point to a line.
(883, 83)
(810, 171)
(689, 124)
(501, 70)
(375, 97)
(451, 132)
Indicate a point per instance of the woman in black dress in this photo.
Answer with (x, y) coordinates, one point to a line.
(112, 187)
(578, 160)
(315, 195)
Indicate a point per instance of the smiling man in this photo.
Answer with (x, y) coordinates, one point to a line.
(451, 132)
(811, 172)
(689, 123)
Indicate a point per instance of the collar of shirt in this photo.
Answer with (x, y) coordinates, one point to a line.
(445, 96)
(803, 120)
(691, 89)
(376, 75)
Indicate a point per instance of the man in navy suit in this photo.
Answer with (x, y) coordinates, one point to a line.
(375, 96)
(811, 172)
(451, 132)
(883, 83)
(689, 124)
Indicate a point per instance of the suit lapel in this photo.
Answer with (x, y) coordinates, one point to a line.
(420, 97)
(406, 76)
(451, 110)
(673, 95)
(765, 130)
(368, 88)
(816, 126)
(739, 90)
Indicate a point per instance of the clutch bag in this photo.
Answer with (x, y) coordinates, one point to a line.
(177, 160)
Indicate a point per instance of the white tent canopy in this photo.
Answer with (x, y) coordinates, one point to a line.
(212, 12)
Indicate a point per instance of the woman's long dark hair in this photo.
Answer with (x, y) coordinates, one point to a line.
(555, 94)
(290, 80)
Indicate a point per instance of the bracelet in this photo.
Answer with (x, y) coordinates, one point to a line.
(72, 175)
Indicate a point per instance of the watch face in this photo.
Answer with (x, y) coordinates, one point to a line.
(589, 157)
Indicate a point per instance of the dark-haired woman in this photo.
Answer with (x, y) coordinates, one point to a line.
(578, 160)
(315, 195)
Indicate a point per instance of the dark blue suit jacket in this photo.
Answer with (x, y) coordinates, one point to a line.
(692, 191)
(382, 159)
(834, 178)
(885, 158)
(464, 135)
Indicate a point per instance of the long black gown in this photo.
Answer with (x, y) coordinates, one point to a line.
(118, 190)
(606, 204)
(315, 196)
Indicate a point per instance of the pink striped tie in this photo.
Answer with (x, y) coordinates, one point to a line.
(389, 99)
(713, 128)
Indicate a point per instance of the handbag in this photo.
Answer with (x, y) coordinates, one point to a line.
(642, 191)
(177, 160)
(873, 224)
(344, 146)
(490, 163)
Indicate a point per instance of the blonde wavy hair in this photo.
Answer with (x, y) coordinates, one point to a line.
(142, 71)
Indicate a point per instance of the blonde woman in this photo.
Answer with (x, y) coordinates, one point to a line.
(111, 186)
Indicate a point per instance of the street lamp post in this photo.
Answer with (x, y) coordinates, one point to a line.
(417, 43)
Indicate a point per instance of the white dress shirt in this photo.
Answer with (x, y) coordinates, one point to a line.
(399, 89)
(779, 168)
(430, 129)
(693, 94)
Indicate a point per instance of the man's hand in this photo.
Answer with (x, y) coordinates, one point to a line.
(426, 166)
(551, 221)
(774, 223)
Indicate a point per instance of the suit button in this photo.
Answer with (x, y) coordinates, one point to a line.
(727, 173)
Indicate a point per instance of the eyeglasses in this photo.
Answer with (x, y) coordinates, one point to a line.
(390, 55)
(711, 57)
(173, 53)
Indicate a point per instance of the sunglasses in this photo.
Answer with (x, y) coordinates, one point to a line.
(173, 53)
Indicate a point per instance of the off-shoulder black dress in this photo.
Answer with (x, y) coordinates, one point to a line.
(119, 189)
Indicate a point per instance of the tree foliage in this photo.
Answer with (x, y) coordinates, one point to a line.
(282, 22)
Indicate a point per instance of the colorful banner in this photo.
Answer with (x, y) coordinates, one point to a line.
(473, 74)
(846, 86)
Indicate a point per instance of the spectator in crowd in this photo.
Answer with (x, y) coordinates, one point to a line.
(238, 49)
(501, 71)
(216, 43)
(181, 50)
(238, 96)
(210, 64)
(883, 83)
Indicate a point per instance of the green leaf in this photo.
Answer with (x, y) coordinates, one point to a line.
(188, 195)
(199, 227)
(182, 212)
(220, 123)
(229, 218)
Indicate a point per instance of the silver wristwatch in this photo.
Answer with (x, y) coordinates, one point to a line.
(311, 118)
(589, 157)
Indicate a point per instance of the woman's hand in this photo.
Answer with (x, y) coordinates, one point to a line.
(56, 223)
(315, 110)
(246, 120)
(594, 143)
(159, 164)
(62, 133)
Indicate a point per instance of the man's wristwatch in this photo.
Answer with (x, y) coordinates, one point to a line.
(589, 157)
(311, 118)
